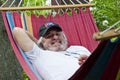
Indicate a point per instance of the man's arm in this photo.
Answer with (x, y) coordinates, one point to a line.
(32, 37)
(24, 39)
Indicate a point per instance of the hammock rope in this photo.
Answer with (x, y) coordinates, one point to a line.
(108, 33)
(43, 7)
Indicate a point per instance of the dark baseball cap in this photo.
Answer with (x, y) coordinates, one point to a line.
(48, 26)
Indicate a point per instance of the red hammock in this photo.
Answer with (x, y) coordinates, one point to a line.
(79, 29)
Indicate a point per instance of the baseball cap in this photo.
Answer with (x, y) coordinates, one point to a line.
(48, 26)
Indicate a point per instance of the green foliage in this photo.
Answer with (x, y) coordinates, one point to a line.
(2, 1)
(36, 3)
(25, 76)
(106, 10)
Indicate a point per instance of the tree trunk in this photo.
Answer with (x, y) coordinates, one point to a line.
(9, 66)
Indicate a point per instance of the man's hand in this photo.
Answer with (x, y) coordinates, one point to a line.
(82, 59)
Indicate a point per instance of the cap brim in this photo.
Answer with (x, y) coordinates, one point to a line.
(50, 28)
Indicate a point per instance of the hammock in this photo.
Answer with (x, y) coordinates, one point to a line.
(83, 27)
(14, 19)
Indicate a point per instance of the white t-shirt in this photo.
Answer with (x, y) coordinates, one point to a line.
(56, 65)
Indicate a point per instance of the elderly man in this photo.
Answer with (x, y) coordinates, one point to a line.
(50, 55)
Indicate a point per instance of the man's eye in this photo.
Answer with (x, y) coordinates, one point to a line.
(57, 34)
(49, 36)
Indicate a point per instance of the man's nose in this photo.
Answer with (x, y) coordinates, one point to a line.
(55, 36)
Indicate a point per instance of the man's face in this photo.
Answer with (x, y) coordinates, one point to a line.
(54, 41)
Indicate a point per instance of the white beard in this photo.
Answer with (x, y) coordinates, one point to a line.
(57, 46)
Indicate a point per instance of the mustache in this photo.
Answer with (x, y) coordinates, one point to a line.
(56, 41)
